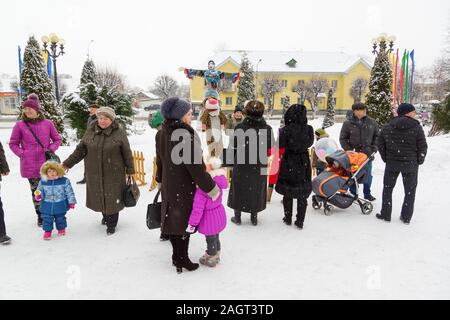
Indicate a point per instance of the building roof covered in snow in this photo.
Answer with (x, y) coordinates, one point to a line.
(6, 83)
(291, 61)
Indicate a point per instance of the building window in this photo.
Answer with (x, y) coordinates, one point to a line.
(284, 83)
(266, 102)
(229, 100)
(334, 84)
(301, 82)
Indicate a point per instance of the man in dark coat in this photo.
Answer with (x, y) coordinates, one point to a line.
(91, 119)
(359, 134)
(294, 179)
(4, 171)
(180, 168)
(249, 147)
(108, 160)
(403, 147)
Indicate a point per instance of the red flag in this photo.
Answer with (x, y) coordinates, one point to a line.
(395, 82)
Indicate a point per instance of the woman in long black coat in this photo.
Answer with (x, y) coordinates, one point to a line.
(180, 169)
(250, 144)
(294, 180)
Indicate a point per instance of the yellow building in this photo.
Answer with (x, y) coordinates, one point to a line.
(290, 67)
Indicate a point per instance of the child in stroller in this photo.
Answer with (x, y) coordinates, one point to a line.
(332, 187)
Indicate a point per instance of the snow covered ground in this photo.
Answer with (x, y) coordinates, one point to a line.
(343, 256)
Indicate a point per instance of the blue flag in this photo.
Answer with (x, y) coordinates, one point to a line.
(412, 73)
(19, 53)
(49, 66)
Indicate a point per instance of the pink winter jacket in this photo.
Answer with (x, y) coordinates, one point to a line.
(208, 215)
(25, 146)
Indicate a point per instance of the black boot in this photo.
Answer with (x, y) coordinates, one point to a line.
(104, 220)
(254, 219)
(183, 261)
(237, 218)
(287, 219)
(382, 217)
(111, 223)
(5, 240)
(298, 224)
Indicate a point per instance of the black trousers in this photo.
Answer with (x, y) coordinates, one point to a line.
(33, 186)
(409, 176)
(2, 220)
(111, 220)
(302, 204)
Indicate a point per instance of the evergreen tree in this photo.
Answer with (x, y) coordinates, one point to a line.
(246, 85)
(76, 105)
(329, 120)
(120, 102)
(34, 79)
(379, 100)
(76, 113)
(441, 118)
(89, 73)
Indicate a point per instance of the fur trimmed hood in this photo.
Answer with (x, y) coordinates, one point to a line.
(52, 165)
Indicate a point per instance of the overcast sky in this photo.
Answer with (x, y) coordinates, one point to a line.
(143, 39)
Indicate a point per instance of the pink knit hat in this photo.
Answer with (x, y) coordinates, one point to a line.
(212, 104)
(32, 102)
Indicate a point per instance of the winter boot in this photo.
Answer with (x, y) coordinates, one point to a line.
(254, 219)
(110, 231)
(5, 240)
(210, 261)
(47, 235)
(104, 220)
(405, 221)
(299, 224)
(163, 237)
(382, 217)
(287, 219)
(182, 259)
(269, 194)
(62, 232)
(237, 218)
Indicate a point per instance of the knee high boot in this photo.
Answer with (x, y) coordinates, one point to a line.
(182, 260)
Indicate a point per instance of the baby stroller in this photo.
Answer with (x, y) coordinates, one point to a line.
(331, 187)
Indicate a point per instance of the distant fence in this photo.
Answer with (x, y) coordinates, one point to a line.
(139, 169)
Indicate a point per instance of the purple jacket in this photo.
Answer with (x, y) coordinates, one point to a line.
(209, 216)
(25, 146)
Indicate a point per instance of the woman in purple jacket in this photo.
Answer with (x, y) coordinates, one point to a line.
(25, 146)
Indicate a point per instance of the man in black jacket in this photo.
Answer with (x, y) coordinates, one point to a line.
(359, 134)
(403, 147)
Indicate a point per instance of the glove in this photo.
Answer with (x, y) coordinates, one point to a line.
(72, 206)
(37, 195)
(191, 229)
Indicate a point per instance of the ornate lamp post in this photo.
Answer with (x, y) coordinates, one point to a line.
(381, 43)
(53, 41)
(256, 84)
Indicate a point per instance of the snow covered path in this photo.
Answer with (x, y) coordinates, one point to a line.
(344, 256)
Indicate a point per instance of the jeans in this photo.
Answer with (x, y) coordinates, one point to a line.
(213, 245)
(368, 184)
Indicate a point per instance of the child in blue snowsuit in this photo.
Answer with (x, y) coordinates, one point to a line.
(56, 196)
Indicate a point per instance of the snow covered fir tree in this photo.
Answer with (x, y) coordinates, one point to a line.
(34, 79)
(379, 100)
(441, 118)
(329, 119)
(246, 85)
(120, 102)
(76, 104)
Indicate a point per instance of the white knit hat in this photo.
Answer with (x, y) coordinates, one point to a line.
(107, 112)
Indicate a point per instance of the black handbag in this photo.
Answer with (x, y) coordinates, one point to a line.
(154, 213)
(131, 193)
(49, 156)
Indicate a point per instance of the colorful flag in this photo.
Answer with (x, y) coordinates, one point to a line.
(395, 82)
(407, 79)
(413, 66)
(402, 76)
(19, 53)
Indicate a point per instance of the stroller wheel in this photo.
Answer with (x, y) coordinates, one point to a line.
(327, 209)
(316, 204)
(366, 208)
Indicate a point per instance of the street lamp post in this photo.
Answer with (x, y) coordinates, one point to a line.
(381, 43)
(53, 41)
(256, 84)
